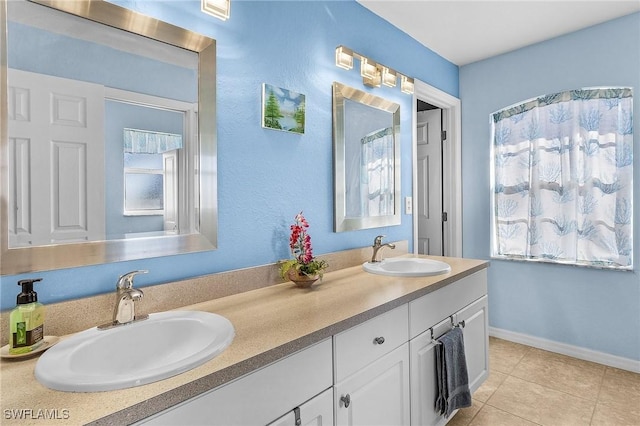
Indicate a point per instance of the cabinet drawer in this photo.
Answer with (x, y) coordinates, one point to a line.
(363, 344)
(259, 397)
(431, 308)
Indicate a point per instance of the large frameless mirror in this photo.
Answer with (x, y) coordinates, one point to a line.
(366, 155)
(108, 136)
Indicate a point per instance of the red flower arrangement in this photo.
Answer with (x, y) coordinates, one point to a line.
(300, 245)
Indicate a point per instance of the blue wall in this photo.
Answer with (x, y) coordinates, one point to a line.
(40, 51)
(594, 309)
(265, 177)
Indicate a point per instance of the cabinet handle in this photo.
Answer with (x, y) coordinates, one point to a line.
(378, 340)
(346, 400)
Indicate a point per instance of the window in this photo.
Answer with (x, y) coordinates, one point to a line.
(562, 179)
(143, 184)
(149, 172)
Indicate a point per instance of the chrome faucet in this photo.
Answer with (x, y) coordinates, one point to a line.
(377, 245)
(126, 296)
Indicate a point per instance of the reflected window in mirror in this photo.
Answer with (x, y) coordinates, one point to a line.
(366, 132)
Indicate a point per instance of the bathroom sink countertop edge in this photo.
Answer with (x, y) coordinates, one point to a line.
(270, 323)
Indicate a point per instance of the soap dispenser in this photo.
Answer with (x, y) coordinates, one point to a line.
(27, 320)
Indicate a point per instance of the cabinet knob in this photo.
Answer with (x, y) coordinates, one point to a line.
(346, 400)
(378, 340)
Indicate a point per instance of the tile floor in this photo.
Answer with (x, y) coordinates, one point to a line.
(529, 386)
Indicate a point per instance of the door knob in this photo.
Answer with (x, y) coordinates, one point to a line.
(378, 340)
(346, 400)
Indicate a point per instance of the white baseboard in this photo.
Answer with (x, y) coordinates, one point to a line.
(565, 349)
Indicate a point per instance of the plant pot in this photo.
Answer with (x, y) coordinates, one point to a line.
(301, 280)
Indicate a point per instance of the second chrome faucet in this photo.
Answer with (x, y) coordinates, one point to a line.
(377, 245)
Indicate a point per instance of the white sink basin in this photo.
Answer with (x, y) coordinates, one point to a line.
(135, 354)
(407, 267)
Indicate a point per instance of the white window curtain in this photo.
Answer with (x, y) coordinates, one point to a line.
(377, 162)
(148, 142)
(562, 179)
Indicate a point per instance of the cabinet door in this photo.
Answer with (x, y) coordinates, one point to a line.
(424, 386)
(476, 341)
(318, 411)
(378, 394)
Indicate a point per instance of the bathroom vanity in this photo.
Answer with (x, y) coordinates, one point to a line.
(332, 353)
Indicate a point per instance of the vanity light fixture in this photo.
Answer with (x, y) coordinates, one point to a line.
(388, 77)
(218, 8)
(406, 84)
(373, 74)
(367, 68)
(375, 80)
(344, 57)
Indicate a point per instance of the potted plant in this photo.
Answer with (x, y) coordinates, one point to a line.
(303, 269)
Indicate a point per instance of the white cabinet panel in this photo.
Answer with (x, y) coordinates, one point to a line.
(424, 386)
(476, 341)
(358, 346)
(377, 394)
(430, 309)
(260, 397)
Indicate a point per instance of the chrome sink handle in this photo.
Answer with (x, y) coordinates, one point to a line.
(126, 280)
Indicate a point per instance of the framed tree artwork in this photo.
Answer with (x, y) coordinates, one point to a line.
(282, 109)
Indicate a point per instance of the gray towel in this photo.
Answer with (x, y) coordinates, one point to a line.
(451, 368)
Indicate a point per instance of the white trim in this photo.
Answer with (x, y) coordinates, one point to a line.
(452, 162)
(565, 349)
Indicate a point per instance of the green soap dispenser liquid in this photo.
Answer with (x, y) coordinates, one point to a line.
(26, 323)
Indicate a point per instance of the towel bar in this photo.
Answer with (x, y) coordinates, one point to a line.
(453, 325)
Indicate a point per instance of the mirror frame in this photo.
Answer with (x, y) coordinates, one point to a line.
(42, 258)
(342, 222)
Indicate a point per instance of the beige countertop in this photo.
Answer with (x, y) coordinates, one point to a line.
(270, 323)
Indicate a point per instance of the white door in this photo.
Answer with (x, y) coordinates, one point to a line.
(56, 164)
(476, 341)
(377, 394)
(429, 205)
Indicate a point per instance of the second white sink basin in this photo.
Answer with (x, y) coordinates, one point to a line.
(407, 267)
(135, 354)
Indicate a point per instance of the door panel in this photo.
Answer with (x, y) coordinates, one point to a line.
(429, 170)
(476, 341)
(378, 394)
(56, 164)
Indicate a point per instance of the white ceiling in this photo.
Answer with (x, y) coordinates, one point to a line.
(465, 31)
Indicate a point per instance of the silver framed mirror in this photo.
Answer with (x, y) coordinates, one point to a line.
(366, 160)
(193, 223)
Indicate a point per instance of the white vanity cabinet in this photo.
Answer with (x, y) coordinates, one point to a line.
(261, 396)
(371, 363)
(463, 301)
(379, 372)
